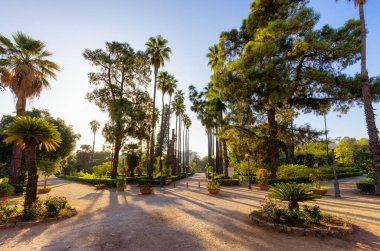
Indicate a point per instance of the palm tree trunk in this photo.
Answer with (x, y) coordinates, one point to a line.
(93, 151)
(368, 108)
(176, 145)
(184, 149)
(151, 157)
(179, 143)
(168, 157)
(173, 153)
(209, 147)
(162, 127)
(14, 169)
(31, 185)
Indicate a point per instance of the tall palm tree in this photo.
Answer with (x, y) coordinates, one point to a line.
(367, 98)
(187, 124)
(179, 108)
(25, 70)
(94, 125)
(158, 51)
(163, 80)
(171, 87)
(32, 132)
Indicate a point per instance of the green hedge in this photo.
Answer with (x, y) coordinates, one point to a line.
(90, 181)
(307, 179)
(153, 182)
(228, 182)
(366, 186)
(135, 180)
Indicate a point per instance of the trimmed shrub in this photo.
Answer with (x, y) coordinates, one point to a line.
(292, 171)
(228, 182)
(6, 190)
(366, 186)
(153, 182)
(54, 205)
(90, 181)
(135, 180)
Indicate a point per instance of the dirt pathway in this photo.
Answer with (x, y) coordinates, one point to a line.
(185, 218)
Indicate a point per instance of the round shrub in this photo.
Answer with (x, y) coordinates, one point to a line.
(6, 190)
(366, 186)
(54, 205)
(292, 171)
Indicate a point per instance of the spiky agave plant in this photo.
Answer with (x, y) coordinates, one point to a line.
(293, 193)
(32, 132)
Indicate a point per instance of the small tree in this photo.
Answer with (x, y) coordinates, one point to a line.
(47, 168)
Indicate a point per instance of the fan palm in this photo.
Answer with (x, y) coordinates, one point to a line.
(163, 80)
(94, 125)
(292, 193)
(171, 87)
(25, 70)
(158, 52)
(31, 132)
(179, 109)
(187, 124)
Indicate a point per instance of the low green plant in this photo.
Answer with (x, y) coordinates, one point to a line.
(316, 176)
(6, 190)
(312, 214)
(120, 182)
(55, 204)
(292, 171)
(262, 176)
(146, 186)
(4, 180)
(213, 185)
(34, 211)
(228, 182)
(6, 211)
(366, 186)
(293, 193)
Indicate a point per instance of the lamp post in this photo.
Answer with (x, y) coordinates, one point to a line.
(213, 157)
(161, 177)
(336, 183)
(249, 173)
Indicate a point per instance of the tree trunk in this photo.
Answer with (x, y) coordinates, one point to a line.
(209, 148)
(226, 162)
(368, 108)
(162, 129)
(168, 157)
(31, 185)
(116, 158)
(273, 155)
(291, 154)
(151, 159)
(14, 169)
(173, 153)
(217, 152)
(179, 144)
(93, 151)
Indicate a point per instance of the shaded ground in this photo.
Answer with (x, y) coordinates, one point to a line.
(183, 218)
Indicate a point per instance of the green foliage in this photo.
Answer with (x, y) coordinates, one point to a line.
(262, 176)
(153, 182)
(146, 186)
(366, 186)
(4, 180)
(120, 182)
(213, 185)
(6, 190)
(55, 204)
(228, 182)
(35, 210)
(292, 171)
(316, 176)
(293, 193)
(90, 180)
(47, 168)
(6, 211)
(102, 170)
(312, 214)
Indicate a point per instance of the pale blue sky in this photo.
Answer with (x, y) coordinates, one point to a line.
(68, 27)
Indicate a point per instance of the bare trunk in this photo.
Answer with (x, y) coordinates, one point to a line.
(168, 157)
(173, 153)
(226, 162)
(116, 159)
(31, 185)
(273, 155)
(151, 159)
(93, 151)
(14, 169)
(369, 113)
(179, 143)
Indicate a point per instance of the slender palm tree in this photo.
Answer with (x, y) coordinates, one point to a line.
(25, 70)
(94, 125)
(187, 124)
(171, 87)
(367, 98)
(158, 51)
(32, 133)
(179, 108)
(163, 80)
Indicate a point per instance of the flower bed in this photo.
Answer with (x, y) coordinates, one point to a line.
(51, 209)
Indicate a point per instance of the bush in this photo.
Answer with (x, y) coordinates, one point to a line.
(34, 211)
(91, 180)
(103, 169)
(19, 188)
(312, 214)
(229, 182)
(213, 185)
(6, 190)
(146, 186)
(120, 182)
(293, 193)
(4, 180)
(6, 211)
(135, 180)
(292, 171)
(55, 204)
(262, 176)
(154, 182)
(366, 186)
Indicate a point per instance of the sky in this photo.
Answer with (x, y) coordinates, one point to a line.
(69, 27)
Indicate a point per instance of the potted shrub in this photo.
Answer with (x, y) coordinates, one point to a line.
(146, 188)
(120, 184)
(100, 186)
(6, 190)
(316, 177)
(213, 187)
(44, 189)
(262, 176)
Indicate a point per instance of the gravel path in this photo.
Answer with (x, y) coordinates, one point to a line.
(184, 218)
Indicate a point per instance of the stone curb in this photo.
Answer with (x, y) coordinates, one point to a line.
(301, 231)
(22, 224)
